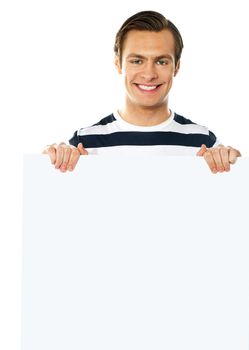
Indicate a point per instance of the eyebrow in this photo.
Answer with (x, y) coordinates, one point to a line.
(143, 57)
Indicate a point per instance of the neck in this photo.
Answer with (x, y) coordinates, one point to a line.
(144, 116)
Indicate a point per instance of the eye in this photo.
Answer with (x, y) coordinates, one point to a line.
(137, 61)
(162, 62)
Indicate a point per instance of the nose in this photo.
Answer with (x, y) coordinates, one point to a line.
(149, 72)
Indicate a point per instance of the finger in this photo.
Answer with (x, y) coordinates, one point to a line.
(51, 151)
(224, 153)
(82, 150)
(233, 155)
(66, 156)
(217, 158)
(202, 150)
(210, 161)
(75, 155)
(59, 156)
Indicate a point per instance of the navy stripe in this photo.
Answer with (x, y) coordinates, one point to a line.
(109, 119)
(135, 138)
(182, 120)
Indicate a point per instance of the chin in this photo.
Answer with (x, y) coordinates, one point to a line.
(150, 105)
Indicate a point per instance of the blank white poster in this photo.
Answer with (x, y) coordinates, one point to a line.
(130, 253)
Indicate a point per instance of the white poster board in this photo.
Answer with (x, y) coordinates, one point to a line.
(135, 253)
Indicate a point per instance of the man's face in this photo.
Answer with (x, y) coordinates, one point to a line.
(148, 67)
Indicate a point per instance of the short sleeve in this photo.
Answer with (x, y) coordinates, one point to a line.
(74, 141)
(213, 141)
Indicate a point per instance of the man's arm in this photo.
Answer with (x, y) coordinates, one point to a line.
(64, 157)
(219, 158)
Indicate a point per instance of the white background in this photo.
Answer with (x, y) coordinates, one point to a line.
(57, 74)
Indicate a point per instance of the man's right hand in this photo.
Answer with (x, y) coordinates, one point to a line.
(63, 156)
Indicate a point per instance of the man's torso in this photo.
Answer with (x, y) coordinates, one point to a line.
(114, 136)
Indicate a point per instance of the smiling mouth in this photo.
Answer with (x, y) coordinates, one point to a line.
(148, 87)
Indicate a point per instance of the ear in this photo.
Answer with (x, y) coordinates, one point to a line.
(117, 64)
(177, 68)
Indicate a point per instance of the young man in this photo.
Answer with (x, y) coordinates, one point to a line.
(147, 54)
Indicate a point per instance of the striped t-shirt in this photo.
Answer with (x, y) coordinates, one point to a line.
(113, 135)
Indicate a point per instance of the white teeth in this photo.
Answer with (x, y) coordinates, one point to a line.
(145, 87)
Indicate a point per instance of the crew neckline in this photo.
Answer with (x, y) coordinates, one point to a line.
(130, 126)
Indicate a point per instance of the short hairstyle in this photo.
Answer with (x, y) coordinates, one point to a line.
(147, 21)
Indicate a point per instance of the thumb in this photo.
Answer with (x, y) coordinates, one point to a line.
(202, 150)
(82, 150)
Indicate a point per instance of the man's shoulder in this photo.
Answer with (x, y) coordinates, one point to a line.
(186, 125)
(101, 127)
(98, 127)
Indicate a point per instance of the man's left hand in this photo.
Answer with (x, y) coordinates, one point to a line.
(219, 158)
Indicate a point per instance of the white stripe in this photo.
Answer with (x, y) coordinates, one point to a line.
(115, 127)
(188, 128)
(100, 129)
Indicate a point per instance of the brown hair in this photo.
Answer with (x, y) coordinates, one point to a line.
(150, 21)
